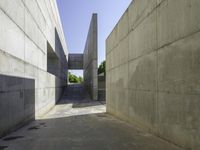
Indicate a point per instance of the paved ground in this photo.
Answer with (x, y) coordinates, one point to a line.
(81, 126)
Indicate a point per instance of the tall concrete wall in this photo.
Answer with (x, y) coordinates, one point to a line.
(153, 69)
(90, 60)
(28, 85)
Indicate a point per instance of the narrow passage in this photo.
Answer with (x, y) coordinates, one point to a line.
(81, 125)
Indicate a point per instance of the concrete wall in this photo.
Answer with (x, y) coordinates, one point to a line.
(153, 69)
(90, 60)
(75, 61)
(27, 89)
(101, 87)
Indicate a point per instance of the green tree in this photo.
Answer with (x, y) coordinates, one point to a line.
(80, 79)
(102, 67)
(74, 79)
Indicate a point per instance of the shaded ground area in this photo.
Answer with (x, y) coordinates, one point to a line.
(75, 92)
(81, 125)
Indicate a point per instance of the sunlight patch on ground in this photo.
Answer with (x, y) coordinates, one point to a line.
(74, 109)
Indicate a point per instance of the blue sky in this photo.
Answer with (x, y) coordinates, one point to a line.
(76, 15)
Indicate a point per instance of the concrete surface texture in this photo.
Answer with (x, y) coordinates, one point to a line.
(32, 60)
(90, 59)
(75, 61)
(152, 69)
(75, 92)
(81, 125)
(101, 87)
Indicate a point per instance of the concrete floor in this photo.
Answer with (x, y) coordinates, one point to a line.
(81, 126)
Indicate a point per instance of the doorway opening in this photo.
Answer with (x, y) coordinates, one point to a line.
(75, 76)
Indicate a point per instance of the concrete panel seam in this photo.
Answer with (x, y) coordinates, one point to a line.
(22, 61)
(132, 29)
(158, 49)
(21, 30)
(34, 18)
(119, 20)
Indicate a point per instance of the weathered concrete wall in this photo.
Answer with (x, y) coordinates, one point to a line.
(90, 60)
(75, 61)
(27, 89)
(153, 69)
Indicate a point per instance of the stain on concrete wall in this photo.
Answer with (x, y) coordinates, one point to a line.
(152, 69)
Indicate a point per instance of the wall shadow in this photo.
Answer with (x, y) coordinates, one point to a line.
(61, 76)
(17, 102)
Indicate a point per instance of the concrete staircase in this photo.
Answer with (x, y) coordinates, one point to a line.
(74, 92)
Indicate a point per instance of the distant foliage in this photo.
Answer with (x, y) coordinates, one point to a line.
(102, 67)
(74, 79)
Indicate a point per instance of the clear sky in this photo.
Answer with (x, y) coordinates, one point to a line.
(76, 15)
